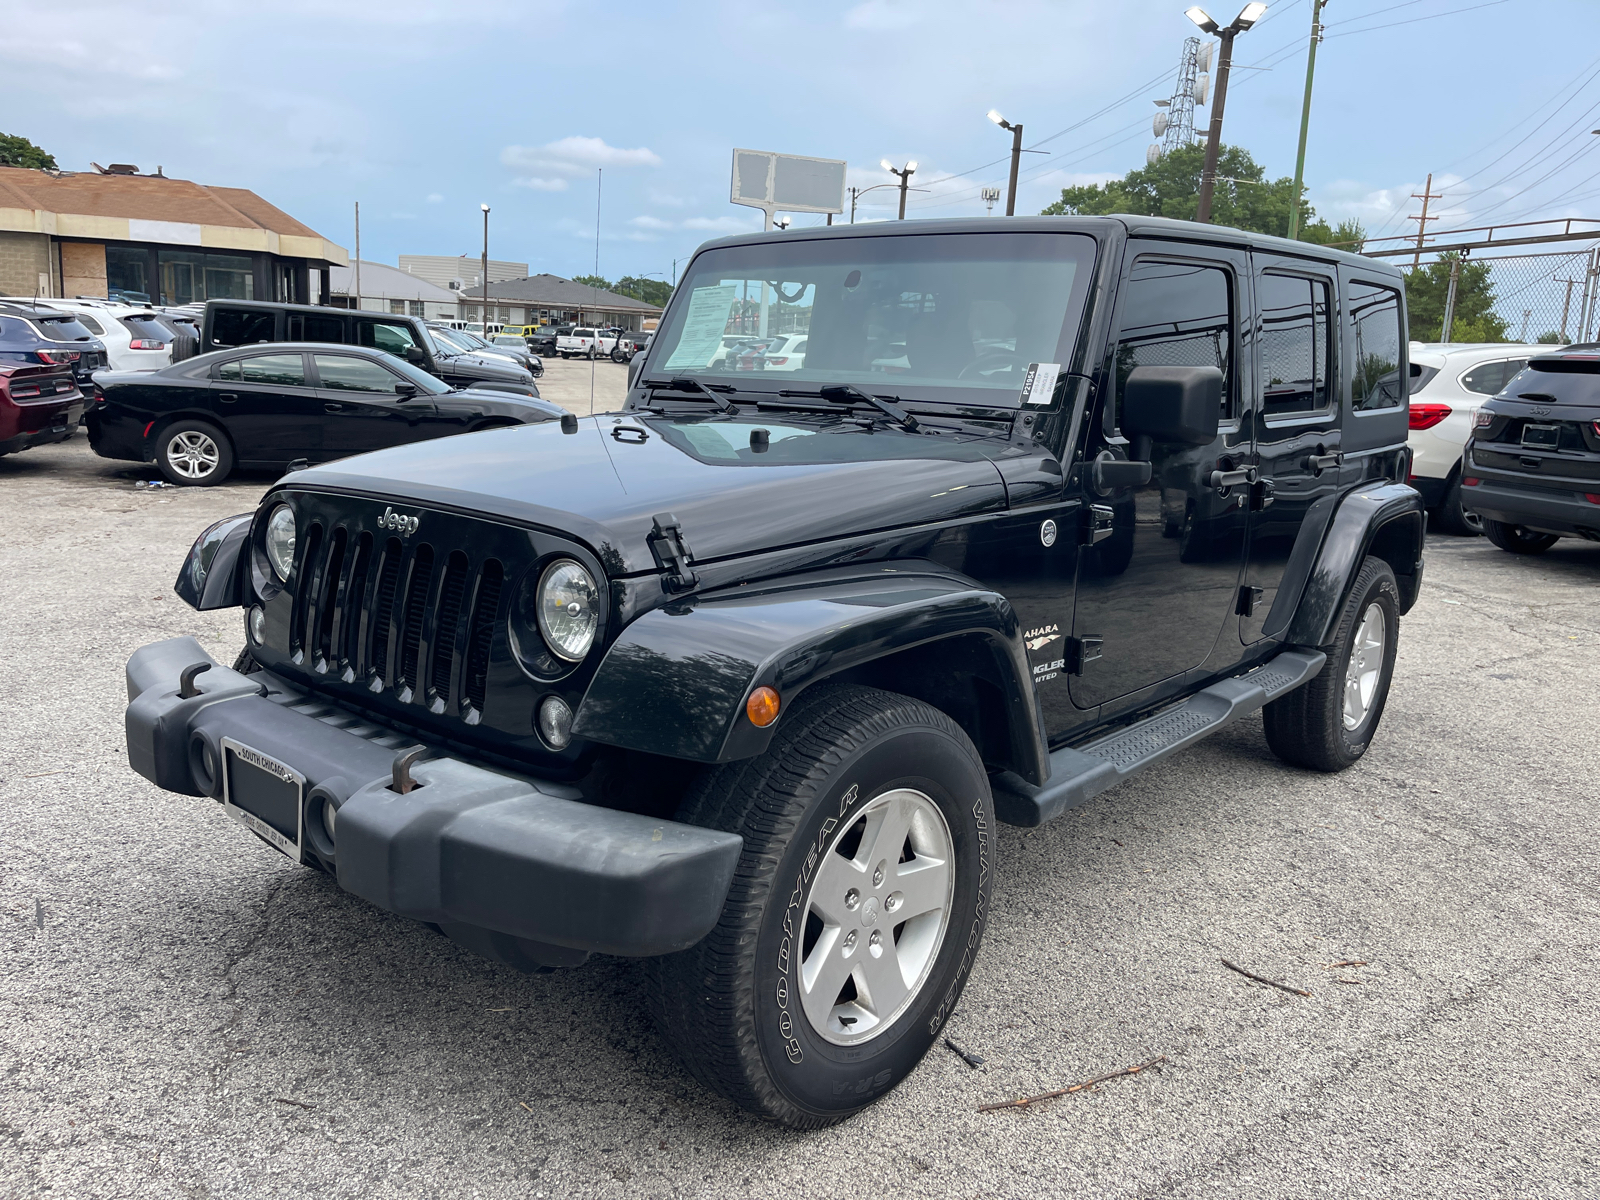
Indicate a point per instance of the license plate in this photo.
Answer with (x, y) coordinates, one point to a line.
(1546, 437)
(265, 796)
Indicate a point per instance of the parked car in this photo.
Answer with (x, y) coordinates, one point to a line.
(584, 342)
(32, 333)
(628, 344)
(38, 405)
(1531, 471)
(134, 338)
(741, 680)
(787, 353)
(231, 323)
(268, 406)
(543, 340)
(473, 344)
(1448, 383)
(183, 331)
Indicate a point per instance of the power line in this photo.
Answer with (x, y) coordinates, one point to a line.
(1412, 21)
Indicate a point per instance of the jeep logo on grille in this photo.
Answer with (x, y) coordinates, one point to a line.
(403, 525)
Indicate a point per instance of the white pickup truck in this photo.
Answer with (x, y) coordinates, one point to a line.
(586, 343)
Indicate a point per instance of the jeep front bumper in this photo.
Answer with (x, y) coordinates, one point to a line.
(515, 867)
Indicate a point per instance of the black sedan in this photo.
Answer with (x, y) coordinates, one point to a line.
(271, 405)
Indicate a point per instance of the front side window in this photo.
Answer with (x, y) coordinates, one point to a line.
(281, 370)
(342, 373)
(1177, 314)
(1375, 323)
(1295, 346)
(381, 335)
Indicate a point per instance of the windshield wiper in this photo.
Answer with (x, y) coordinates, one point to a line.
(849, 393)
(688, 383)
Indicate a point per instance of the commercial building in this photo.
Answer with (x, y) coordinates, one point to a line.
(551, 300)
(458, 271)
(153, 239)
(391, 290)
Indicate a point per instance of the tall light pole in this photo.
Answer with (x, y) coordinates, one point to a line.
(485, 208)
(1305, 116)
(1208, 176)
(1016, 158)
(905, 173)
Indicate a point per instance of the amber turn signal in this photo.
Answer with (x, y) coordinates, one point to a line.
(762, 707)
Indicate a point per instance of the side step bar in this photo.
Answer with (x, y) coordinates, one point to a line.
(1078, 775)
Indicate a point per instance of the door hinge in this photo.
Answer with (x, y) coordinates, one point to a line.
(1261, 494)
(1249, 597)
(1096, 524)
(672, 551)
(1082, 651)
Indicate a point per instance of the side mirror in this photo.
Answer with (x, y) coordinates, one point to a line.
(405, 389)
(416, 355)
(1171, 404)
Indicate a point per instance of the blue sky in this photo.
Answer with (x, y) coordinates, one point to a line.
(422, 111)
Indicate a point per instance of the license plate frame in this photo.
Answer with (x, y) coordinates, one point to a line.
(236, 754)
(1549, 437)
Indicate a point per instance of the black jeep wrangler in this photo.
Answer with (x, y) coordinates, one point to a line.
(739, 679)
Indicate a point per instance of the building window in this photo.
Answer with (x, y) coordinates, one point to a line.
(397, 308)
(418, 308)
(188, 277)
(127, 272)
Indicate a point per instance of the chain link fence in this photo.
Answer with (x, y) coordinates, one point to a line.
(1545, 297)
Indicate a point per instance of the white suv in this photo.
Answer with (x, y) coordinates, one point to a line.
(135, 340)
(1448, 383)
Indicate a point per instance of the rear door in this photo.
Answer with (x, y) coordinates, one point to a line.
(361, 410)
(269, 408)
(1293, 417)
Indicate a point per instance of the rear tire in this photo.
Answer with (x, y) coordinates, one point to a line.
(797, 1006)
(1450, 517)
(1517, 539)
(193, 453)
(1327, 724)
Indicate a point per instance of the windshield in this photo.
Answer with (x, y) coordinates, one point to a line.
(428, 385)
(932, 316)
(449, 339)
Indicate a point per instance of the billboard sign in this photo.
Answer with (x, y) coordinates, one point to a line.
(787, 182)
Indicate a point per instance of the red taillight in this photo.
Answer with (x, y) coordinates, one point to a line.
(1426, 416)
(777, 362)
(24, 391)
(1595, 425)
(56, 357)
(1483, 420)
(146, 344)
(1592, 497)
(1470, 481)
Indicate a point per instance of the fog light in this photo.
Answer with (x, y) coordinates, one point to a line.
(762, 707)
(555, 722)
(330, 815)
(258, 625)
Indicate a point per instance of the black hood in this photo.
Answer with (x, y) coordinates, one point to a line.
(476, 366)
(604, 484)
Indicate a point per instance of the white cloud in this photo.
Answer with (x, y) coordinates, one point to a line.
(649, 222)
(881, 14)
(721, 224)
(666, 200)
(575, 155)
(540, 185)
(435, 198)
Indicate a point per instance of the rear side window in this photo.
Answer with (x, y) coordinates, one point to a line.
(284, 370)
(342, 373)
(91, 324)
(242, 327)
(1295, 344)
(1177, 314)
(1420, 375)
(1490, 378)
(303, 328)
(1375, 323)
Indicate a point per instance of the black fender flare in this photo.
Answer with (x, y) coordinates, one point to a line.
(213, 572)
(1387, 520)
(676, 680)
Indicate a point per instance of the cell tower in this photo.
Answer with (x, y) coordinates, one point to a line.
(1174, 123)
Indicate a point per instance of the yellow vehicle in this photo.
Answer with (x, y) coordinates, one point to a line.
(525, 331)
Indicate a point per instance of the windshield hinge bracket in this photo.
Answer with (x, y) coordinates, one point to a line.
(672, 552)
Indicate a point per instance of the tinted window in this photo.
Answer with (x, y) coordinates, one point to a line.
(381, 335)
(91, 324)
(1375, 319)
(1177, 314)
(230, 371)
(242, 327)
(1294, 343)
(1561, 386)
(1420, 375)
(1490, 378)
(316, 329)
(285, 370)
(64, 329)
(352, 374)
(147, 328)
(13, 330)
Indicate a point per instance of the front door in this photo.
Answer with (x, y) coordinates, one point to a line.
(361, 409)
(1156, 595)
(1293, 413)
(269, 408)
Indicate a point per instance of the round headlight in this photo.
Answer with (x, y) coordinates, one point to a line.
(569, 609)
(280, 541)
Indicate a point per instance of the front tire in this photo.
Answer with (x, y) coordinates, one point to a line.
(193, 453)
(1327, 724)
(856, 910)
(1516, 539)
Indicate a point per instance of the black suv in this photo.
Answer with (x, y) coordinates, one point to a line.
(36, 333)
(231, 323)
(1531, 469)
(739, 680)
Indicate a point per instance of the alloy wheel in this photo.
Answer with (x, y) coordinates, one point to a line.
(193, 454)
(1362, 672)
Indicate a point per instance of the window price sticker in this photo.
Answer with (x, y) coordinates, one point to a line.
(1040, 385)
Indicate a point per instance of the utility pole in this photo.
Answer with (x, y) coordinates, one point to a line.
(1305, 117)
(358, 254)
(485, 208)
(1422, 221)
(1527, 315)
(905, 173)
(1566, 310)
(854, 192)
(1208, 174)
(1450, 296)
(1016, 158)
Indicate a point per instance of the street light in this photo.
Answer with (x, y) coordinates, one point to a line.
(1246, 18)
(1016, 158)
(905, 173)
(485, 208)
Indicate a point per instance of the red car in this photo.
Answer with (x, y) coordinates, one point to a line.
(38, 405)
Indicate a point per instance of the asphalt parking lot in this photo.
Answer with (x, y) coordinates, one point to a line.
(183, 1013)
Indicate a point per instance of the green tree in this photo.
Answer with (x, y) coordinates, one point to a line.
(1475, 319)
(1551, 338)
(1170, 187)
(650, 291)
(594, 281)
(17, 151)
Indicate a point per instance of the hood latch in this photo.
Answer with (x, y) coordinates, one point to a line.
(673, 553)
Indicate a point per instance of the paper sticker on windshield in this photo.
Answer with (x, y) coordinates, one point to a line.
(703, 327)
(1040, 385)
